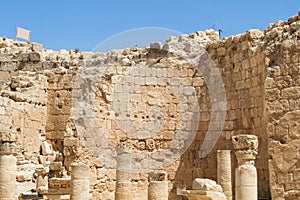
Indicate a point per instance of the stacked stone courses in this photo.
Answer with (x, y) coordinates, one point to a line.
(42, 149)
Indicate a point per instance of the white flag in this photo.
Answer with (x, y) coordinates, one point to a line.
(23, 33)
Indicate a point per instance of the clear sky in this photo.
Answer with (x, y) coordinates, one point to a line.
(70, 24)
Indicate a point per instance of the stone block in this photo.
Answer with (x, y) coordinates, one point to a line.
(60, 182)
(41, 171)
(158, 190)
(31, 196)
(158, 176)
(7, 148)
(34, 57)
(291, 93)
(71, 142)
(151, 81)
(8, 170)
(221, 51)
(206, 185)
(55, 135)
(42, 159)
(245, 141)
(37, 47)
(156, 45)
(56, 166)
(139, 80)
(23, 176)
(46, 148)
(8, 136)
(24, 57)
(203, 195)
(80, 171)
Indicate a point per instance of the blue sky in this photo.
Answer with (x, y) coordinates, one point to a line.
(70, 24)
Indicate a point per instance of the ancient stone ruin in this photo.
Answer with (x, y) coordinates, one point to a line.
(116, 125)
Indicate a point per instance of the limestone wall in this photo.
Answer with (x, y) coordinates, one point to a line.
(69, 106)
(23, 98)
(282, 105)
(151, 78)
(240, 60)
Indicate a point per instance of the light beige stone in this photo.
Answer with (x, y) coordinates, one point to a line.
(8, 170)
(260, 72)
(224, 172)
(158, 186)
(206, 185)
(245, 174)
(80, 186)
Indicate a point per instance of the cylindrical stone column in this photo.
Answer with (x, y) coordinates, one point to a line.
(8, 165)
(246, 182)
(41, 180)
(123, 176)
(158, 186)
(224, 172)
(8, 170)
(245, 174)
(80, 181)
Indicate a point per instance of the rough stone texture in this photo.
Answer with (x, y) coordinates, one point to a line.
(23, 105)
(260, 71)
(8, 136)
(41, 180)
(203, 189)
(206, 185)
(245, 174)
(241, 61)
(123, 177)
(282, 107)
(246, 182)
(8, 171)
(158, 186)
(224, 172)
(201, 195)
(80, 181)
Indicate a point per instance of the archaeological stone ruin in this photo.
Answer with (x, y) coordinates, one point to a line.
(197, 117)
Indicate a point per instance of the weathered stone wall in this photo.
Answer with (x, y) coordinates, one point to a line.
(23, 102)
(283, 105)
(240, 60)
(260, 72)
(150, 77)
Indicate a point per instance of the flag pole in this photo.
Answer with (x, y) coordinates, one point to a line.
(16, 32)
(28, 40)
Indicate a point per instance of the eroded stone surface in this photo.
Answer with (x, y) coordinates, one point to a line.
(260, 72)
(206, 185)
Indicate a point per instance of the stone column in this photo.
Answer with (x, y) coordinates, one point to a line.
(80, 181)
(224, 172)
(158, 186)
(8, 165)
(245, 174)
(41, 180)
(123, 184)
